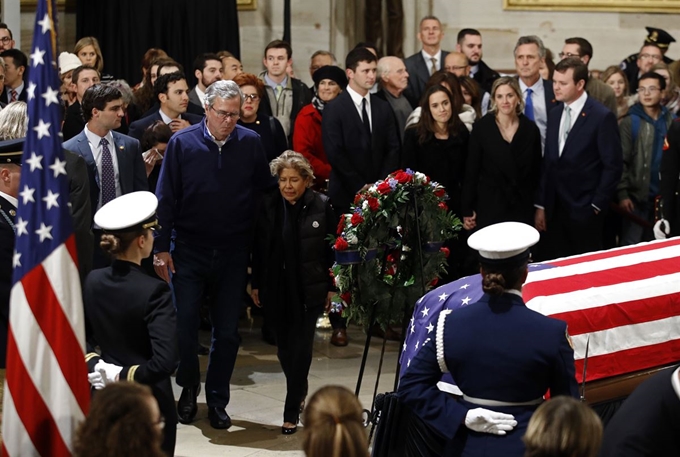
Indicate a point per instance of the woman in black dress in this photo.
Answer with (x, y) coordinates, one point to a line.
(437, 146)
(129, 314)
(504, 162)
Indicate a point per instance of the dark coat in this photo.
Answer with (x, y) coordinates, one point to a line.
(496, 349)
(131, 317)
(315, 222)
(137, 128)
(7, 237)
(356, 158)
(648, 422)
(418, 75)
(501, 178)
(271, 133)
(74, 122)
(589, 168)
(670, 179)
(23, 96)
(81, 210)
(485, 76)
(301, 96)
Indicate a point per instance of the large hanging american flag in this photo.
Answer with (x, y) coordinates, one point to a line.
(626, 301)
(46, 391)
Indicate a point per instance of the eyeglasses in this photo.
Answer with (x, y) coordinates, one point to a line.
(455, 67)
(224, 115)
(649, 57)
(647, 90)
(5, 39)
(251, 97)
(564, 55)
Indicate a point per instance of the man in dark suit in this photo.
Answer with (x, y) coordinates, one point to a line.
(171, 91)
(361, 142)
(423, 64)
(469, 42)
(16, 65)
(582, 166)
(207, 69)
(648, 422)
(82, 79)
(114, 161)
(538, 93)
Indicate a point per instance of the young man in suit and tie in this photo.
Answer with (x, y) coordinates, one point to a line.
(114, 161)
(361, 142)
(171, 92)
(430, 59)
(538, 93)
(16, 65)
(582, 166)
(207, 69)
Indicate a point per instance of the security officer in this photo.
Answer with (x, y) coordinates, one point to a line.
(629, 65)
(502, 355)
(130, 314)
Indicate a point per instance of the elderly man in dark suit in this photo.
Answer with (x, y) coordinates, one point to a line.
(430, 59)
(171, 91)
(582, 166)
(114, 161)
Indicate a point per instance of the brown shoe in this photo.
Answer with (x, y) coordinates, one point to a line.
(339, 337)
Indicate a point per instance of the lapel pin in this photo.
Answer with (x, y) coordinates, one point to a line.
(121, 147)
(583, 114)
(12, 213)
(315, 224)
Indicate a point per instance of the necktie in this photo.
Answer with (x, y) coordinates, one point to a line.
(108, 181)
(566, 127)
(364, 115)
(278, 91)
(529, 108)
(433, 69)
(14, 96)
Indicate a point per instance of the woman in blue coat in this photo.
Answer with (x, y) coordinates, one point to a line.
(503, 356)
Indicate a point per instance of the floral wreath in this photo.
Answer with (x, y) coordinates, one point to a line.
(392, 225)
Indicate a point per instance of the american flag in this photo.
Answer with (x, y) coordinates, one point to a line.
(625, 300)
(46, 391)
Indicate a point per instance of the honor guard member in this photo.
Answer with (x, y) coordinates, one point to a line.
(503, 356)
(10, 174)
(130, 314)
(629, 65)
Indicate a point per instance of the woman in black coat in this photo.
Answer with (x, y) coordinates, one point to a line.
(291, 261)
(129, 314)
(504, 162)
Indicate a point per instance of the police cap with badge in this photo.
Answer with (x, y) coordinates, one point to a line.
(504, 245)
(659, 37)
(131, 212)
(11, 151)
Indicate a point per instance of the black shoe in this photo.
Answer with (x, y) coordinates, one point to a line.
(288, 431)
(203, 350)
(187, 404)
(219, 418)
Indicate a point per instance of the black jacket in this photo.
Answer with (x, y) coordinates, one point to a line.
(485, 76)
(7, 238)
(301, 96)
(315, 222)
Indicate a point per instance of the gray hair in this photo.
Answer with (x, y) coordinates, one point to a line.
(225, 89)
(321, 52)
(295, 161)
(13, 121)
(384, 68)
(531, 39)
(124, 89)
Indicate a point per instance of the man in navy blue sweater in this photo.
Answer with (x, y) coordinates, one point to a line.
(207, 191)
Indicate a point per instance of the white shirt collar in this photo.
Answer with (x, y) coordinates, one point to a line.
(514, 292)
(167, 119)
(95, 139)
(201, 95)
(427, 58)
(577, 105)
(537, 88)
(9, 198)
(356, 97)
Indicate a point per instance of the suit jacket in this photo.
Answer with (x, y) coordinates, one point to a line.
(81, 210)
(6, 96)
(601, 92)
(7, 238)
(131, 171)
(550, 100)
(485, 76)
(590, 166)
(73, 121)
(193, 98)
(355, 157)
(418, 75)
(648, 422)
(138, 127)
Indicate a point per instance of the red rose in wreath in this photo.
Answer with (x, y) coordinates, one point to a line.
(373, 203)
(346, 297)
(402, 177)
(340, 244)
(440, 192)
(443, 206)
(384, 188)
(341, 225)
(356, 219)
(446, 251)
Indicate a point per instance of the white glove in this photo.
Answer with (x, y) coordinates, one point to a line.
(96, 380)
(662, 229)
(108, 371)
(487, 421)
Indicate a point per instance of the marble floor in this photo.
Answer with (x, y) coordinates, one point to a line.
(258, 393)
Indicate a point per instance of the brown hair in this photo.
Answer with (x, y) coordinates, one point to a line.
(249, 79)
(149, 56)
(119, 242)
(91, 41)
(496, 280)
(563, 427)
(333, 424)
(119, 423)
(514, 85)
(472, 88)
(611, 71)
(426, 126)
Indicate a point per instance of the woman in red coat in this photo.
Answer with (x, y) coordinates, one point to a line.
(329, 81)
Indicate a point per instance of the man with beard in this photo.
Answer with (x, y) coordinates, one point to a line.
(470, 43)
(207, 69)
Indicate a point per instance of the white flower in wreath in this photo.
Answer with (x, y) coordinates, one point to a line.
(420, 177)
(405, 248)
(373, 188)
(364, 205)
(352, 238)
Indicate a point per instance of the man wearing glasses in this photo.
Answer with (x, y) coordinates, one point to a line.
(643, 132)
(212, 175)
(6, 38)
(637, 64)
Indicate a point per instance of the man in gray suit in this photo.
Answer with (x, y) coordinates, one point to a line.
(114, 161)
(207, 69)
(423, 64)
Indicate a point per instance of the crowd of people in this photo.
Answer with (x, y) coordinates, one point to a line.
(590, 159)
